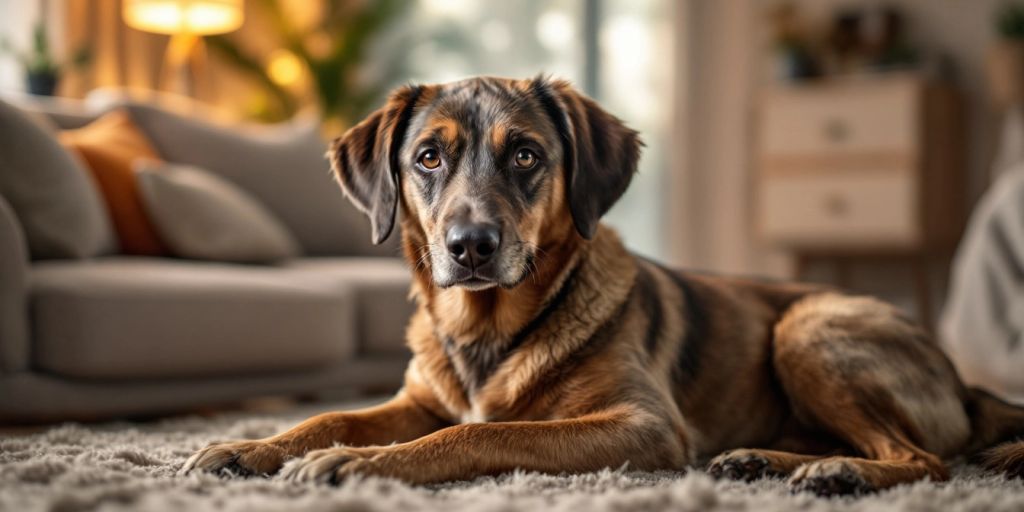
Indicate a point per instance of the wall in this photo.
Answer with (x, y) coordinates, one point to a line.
(712, 177)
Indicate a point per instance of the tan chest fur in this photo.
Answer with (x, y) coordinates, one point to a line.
(520, 385)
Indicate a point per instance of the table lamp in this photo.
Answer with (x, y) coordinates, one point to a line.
(186, 21)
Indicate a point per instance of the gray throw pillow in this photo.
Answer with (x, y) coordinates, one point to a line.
(282, 165)
(50, 191)
(201, 216)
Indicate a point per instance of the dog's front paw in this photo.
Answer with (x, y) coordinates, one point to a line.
(745, 465)
(332, 465)
(830, 477)
(237, 458)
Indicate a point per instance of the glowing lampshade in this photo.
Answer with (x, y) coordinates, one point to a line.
(197, 17)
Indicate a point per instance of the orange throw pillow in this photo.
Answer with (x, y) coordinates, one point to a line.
(109, 145)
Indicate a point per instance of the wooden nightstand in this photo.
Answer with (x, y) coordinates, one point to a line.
(862, 168)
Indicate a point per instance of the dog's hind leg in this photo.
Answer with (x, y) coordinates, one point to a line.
(857, 369)
(997, 428)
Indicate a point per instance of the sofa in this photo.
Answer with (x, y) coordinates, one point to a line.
(98, 334)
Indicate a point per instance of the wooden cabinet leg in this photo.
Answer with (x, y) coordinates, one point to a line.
(922, 291)
(844, 274)
(802, 266)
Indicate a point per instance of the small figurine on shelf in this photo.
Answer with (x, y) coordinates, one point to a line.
(885, 41)
(869, 40)
(794, 58)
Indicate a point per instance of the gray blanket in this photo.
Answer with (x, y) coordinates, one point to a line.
(982, 326)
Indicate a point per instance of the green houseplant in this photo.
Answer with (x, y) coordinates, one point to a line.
(333, 52)
(42, 68)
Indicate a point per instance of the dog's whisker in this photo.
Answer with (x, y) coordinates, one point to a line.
(424, 255)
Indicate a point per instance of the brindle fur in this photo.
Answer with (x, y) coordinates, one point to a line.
(581, 356)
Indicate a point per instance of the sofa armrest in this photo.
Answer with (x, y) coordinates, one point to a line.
(14, 348)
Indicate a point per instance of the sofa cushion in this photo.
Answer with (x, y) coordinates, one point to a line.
(205, 217)
(52, 194)
(110, 146)
(129, 317)
(282, 166)
(381, 290)
(14, 335)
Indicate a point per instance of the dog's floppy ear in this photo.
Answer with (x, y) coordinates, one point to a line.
(600, 152)
(365, 160)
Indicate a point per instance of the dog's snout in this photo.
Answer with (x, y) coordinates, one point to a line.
(472, 244)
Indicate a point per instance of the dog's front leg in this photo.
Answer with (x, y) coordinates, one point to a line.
(398, 420)
(589, 443)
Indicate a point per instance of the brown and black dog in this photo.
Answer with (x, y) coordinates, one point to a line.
(541, 343)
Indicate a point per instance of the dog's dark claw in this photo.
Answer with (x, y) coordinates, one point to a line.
(233, 468)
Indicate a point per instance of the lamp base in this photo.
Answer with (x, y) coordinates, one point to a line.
(184, 64)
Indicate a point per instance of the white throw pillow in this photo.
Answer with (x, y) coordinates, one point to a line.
(205, 217)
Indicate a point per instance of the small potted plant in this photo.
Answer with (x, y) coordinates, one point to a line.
(1006, 57)
(42, 68)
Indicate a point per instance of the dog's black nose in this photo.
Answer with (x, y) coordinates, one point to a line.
(472, 245)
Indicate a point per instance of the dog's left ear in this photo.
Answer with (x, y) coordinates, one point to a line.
(365, 160)
(600, 152)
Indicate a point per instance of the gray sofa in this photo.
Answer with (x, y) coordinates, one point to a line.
(113, 336)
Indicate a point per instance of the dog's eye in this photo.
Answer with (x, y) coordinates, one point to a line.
(525, 159)
(430, 160)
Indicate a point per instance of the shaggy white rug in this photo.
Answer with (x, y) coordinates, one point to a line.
(134, 467)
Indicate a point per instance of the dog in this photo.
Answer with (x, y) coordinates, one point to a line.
(540, 343)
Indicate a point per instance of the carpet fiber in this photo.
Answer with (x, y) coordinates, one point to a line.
(133, 466)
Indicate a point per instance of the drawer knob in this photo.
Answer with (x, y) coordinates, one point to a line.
(836, 205)
(836, 130)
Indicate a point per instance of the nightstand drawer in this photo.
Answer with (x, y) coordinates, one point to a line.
(839, 120)
(840, 210)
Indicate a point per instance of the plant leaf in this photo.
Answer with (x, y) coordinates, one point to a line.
(234, 54)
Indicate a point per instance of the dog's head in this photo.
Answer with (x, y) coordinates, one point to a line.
(488, 172)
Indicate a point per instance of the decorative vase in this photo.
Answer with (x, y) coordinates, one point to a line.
(795, 64)
(42, 83)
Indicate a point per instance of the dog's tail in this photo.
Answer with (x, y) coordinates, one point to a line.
(997, 433)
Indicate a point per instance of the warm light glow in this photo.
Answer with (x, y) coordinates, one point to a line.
(284, 67)
(199, 17)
